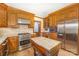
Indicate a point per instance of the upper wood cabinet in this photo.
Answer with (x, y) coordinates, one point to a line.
(26, 16)
(15, 14)
(12, 17)
(46, 22)
(9, 16)
(12, 20)
(72, 13)
(66, 13)
(3, 18)
(52, 20)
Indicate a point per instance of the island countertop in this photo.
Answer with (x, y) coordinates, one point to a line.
(47, 43)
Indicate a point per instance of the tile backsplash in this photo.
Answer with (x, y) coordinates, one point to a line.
(15, 31)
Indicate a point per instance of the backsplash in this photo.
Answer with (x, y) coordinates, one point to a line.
(15, 31)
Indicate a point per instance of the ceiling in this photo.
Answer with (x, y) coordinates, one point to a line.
(39, 9)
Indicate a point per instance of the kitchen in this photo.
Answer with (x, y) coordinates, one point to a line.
(23, 33)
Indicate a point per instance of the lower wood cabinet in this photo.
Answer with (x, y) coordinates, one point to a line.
(12, 44)
(1, 50)
(33, 35)
(53, 36)
(50, 35)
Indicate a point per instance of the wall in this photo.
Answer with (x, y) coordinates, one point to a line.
(15, 31)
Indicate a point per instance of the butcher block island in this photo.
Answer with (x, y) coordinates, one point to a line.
(45, 46)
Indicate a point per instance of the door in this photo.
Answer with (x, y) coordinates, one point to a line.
(37, 27)
(71, 32)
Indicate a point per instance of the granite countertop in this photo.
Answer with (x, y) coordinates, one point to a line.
(5, 36)
(4, 33)
(46, 42)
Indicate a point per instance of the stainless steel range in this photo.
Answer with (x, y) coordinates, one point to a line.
(24, 40)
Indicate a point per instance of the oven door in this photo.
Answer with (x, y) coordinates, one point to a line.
(24, 42)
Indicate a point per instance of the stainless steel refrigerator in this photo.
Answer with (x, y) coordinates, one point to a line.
(68, 34)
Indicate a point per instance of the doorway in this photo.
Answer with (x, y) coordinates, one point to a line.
(37, 28)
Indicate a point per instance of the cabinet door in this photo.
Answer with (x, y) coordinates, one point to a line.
(3, 21)
(54, 20)
(72, 13)
(57, 18)
(27, 16)
(1, 50)
(13, 44)
(51, 23)
(53, 36)
(46, 23)
(12, 19)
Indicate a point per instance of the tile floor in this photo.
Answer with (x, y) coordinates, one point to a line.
(65, 53)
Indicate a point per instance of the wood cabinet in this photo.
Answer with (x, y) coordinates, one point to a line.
(12, 17)
(50, 35)
(46, 22)
(45, 35)
(13, 44)
(66, 13)
(26, 16)
(72, 13)
(3, 19)
(33, 35)
(52, 20)
(1, 50)
(14, 14)
(12, 20)
(9, 16)
(53, 36)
